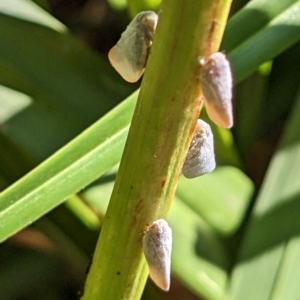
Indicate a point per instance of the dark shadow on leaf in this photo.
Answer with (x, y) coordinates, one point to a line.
(271, 229)
(209, 246)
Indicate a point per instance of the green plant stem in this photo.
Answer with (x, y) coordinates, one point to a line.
(168, 106)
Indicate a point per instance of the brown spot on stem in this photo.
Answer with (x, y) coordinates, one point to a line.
(137, 209)
(211, 36)
(138, 206)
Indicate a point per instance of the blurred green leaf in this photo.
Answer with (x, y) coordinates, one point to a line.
(83, 212)
(249, 110)
(256, 14)
(43, 4)
(198, 256)
(93, 153)
(266, 42)
(10, 108)
(271, 239)
(283, 87)
(136, 6)
(31, 12)
(69, 85)
(118, 4)
(220, 198)
(224, 144)
(14, 160)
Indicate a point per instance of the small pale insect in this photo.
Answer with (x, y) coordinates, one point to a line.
(129, 56)
(216, 84)
(201, 157)
(157, 246)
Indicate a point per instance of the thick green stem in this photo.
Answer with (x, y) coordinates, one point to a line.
(167, 109)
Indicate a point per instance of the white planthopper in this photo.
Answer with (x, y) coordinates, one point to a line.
(129, 56)
(157, 246)
(216, 84)
(201, 156)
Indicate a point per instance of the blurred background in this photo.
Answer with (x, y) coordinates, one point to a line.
(55, 81)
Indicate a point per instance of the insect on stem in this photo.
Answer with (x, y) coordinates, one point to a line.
(201, 157)
(216, 84)
(129, 56)
(157, 246)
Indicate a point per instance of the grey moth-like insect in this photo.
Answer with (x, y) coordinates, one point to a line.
(201, 157)
(216, 84)
(129, 56)
(157, 246)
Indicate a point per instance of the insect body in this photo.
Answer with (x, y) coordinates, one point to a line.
(129, 56)
(157, 246)
(201, 157)
(216, 84)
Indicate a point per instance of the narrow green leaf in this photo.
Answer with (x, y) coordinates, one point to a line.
(287, 283)
(70, 86)
(249, 109)
(198, 257)
(86, 158)
(31, 12)
(10, 108)
(283, 84)
(262, 11)
(83, 213)
(271, 240)
(279, 34)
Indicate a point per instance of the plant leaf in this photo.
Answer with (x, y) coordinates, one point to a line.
(271, 239)
(86, 158)
(220, 198)
(281, 32)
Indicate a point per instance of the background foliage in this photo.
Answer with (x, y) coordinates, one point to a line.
(235, 230)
